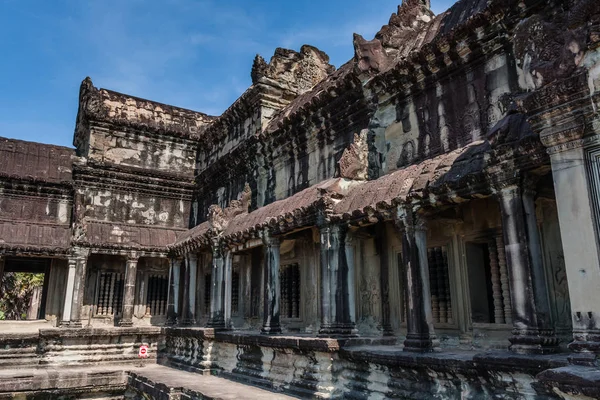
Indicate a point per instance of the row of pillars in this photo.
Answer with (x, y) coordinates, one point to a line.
(532, 328)
(74, 293)
(532, 331)
(337, 285)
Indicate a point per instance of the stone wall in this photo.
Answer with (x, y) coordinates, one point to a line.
(329, 368)
(78, 347)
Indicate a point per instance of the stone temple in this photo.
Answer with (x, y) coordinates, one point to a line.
(421, 223)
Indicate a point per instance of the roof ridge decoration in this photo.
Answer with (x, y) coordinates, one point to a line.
(354, 163)
(295, 71)
(219, 219)
(107, 106)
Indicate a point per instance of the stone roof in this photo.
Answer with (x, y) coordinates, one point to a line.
(103, 105)
(344, 199)
(415, 182)
(34, 237)
(35, 161)
(300, 205)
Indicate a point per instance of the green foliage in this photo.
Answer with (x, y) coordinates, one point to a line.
(16, 290)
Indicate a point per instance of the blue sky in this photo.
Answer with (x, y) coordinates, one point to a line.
(195, 54)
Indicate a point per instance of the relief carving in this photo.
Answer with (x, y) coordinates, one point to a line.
(354, 163)
(219, 218)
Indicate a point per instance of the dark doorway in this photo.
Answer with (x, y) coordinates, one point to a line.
(480, 283)
(24, 288)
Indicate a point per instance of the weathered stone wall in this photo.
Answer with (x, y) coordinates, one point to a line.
(142, 151)
(239, 146)
(80, 347)
(133, 183)
(318, 368)
(442, 114)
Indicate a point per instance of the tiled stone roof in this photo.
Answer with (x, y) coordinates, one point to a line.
(35, 161)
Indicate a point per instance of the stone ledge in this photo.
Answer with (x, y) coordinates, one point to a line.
(61, 380)
(283, 341)
(453, 360)
(572, 380)
(90, 332)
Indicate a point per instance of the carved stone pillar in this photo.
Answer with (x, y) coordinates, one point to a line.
(129, 292)
(420, 335)
(75, 289)
(538, 276)
(189, 295)
(338, 314)
(384, 279)
(573, 141)
(2, 263)
(68, 305)
(217, 309)
(227, 285)
(271, 317)
(173, 297)
(529, 334)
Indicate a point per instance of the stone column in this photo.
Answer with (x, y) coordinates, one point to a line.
(271, 317)
(173, 297)
(129, 292)
(2, 263)
(384, 279)
(217, 309)
(420, 335)
(75, 289)
(338, 315)
(529, 335)
(189, 302)
(572, 141)
(538, 276)
(227, 281)
(68, 305)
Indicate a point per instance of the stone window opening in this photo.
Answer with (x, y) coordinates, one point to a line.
(207, 290)
(109, 294)
(439, 283)
(235, 292)
(156, 299)
(488, 282)
(289, 276)
(402, 286)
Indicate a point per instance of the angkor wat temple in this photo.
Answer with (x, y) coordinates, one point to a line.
(421, 223)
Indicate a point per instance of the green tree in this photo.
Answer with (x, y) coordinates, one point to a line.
(16, 290)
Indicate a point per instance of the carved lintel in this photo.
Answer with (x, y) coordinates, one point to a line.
(564, 135)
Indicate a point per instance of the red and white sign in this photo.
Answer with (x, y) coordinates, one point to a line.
(143, 353)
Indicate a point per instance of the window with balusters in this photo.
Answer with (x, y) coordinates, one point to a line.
(109, 294)
(488, 281)
(235, 292)
(156, 298)
(207, 290)
(439, 284)
(289, 276)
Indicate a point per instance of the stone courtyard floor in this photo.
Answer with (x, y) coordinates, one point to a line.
(125, 382)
